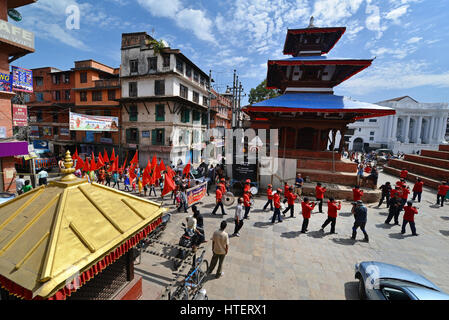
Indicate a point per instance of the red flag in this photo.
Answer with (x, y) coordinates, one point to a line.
(170, 172)
(114, 166)
(86, 165)
(132, 174)
(93, 166)
(169, 185)
(122, 169)
(153, 163)
(100, 162)
(157, 173)
(162, 166)
(135, 159)
(113, 155)
(146, 177)
(186, 170)
(75, 155)
(79, 163)
(105, 158)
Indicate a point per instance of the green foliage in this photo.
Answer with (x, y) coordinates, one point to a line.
(157, 45)
(261, 93)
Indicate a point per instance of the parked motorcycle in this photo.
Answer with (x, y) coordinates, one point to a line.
(189, 240)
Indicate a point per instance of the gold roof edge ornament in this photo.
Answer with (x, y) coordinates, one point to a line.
(68, 170)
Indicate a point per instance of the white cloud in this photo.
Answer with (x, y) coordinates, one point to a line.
(196, 21)
(395, 14)
(393, 76)
(372, 22)
(158, 8)
(414, 40)
(333, 11)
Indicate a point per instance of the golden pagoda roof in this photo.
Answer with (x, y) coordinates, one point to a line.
(51, 233)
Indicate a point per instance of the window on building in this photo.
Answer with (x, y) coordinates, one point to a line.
(360, 120)
(83, 95)
(196, 115)
(371, 133)
(55, 116)
(196, 76)
(26, 97)
(203, 81)
(133, 112)
(107, 135)
(166, 61)
(159, 87)
(204, 119)
(107, 113)
(188, 71)
(371, 139)
(39, 116)
(111, 95)
(67, 95)
(57, 95)
(196, 97)
(56, 79)
(132, 135)
(360, 129)
(132, 86)
(83, 77)
(158, 137)
(185, 116)
(179, 65)
(66, 77)
(134, 66)
(55, 130)
(39, 96)
(72, 135)
(152, 64)
(160, 112)
(372, 120)
(183, 91)
(97, 96)
(38, 81)
(205, 101)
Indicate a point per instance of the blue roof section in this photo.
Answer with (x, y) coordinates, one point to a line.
(318, 101)
(317, 58)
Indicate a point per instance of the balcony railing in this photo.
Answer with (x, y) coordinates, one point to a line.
(107, 83)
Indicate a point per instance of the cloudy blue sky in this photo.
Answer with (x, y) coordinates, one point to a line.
(409, 38)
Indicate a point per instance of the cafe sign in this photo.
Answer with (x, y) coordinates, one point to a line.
(15, 35)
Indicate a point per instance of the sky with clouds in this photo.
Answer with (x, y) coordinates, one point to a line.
(409, 38)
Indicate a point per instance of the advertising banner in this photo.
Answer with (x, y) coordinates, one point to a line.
(19, 115)
(83, 122)
(22, 79)
(64, 131)
(196, 193)
(5, 82)
(16, 35)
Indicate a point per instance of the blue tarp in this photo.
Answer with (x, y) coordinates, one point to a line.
(318, 101)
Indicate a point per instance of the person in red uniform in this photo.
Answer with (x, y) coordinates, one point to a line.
(291, 197)
(218, 198)
(247, 185)
(357, 193)
(404, 196)
(404, 174)
(319, 193)
(409, 217)
(401, 183)
(307, 208)
(247, 204)
(277, 206)
(270, 198)
(222, 185)
(443, 188)
(368, 169)
(332, 208)
(417, 189)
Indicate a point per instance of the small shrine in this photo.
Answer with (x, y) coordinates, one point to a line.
(309, 116)
(72, 240)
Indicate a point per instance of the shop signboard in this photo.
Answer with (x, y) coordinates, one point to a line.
(83, 122)
(22, 79)
(19, 115)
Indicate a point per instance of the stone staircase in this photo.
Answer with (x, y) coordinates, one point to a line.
(431, 166)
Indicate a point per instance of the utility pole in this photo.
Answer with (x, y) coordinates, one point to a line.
(234, 117)
(209, 101)
(240, 96)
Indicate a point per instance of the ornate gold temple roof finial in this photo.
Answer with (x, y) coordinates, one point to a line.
(68, 170)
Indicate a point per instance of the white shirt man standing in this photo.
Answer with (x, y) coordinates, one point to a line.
(20, 182)
(220, 246)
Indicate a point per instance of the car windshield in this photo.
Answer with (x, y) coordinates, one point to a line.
(404, 283)
(195, 174)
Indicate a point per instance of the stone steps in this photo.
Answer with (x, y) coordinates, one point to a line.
(326, 165)
(435, 154)
(444, 147)
(325, 176)
(411, 177)
(440, 163)
(420, 169)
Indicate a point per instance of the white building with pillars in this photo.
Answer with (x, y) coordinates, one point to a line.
(415, 126)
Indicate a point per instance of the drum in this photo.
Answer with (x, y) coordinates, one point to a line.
(228, 199)
(253, 190)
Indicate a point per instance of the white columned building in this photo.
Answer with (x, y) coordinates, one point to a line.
(415, 126)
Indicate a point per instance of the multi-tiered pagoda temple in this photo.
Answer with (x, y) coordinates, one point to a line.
(308, 114)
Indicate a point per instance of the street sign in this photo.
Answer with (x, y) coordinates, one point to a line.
(14, 14)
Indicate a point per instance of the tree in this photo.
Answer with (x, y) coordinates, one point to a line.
(261, 93)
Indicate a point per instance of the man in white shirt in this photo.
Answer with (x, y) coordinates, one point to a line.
(42, 176)
(238, 219)
(20, 182)
(220, 246)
